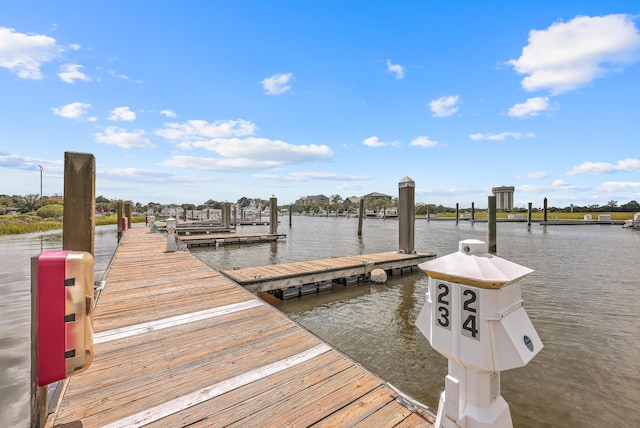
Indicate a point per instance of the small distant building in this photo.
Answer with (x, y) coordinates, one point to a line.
(353, 200)
(316, 199)
(376, 195)
(504, 197)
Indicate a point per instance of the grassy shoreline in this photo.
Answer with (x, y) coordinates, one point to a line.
(30, 223)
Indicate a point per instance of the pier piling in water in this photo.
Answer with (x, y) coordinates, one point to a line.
(406, 215)
(273, 215)
(491, 227)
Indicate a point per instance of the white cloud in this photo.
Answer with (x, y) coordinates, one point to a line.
(530, 108)
(373, 142)
(423, 141)
(502, 136)
(72, 110)
(615, 186)
(195, 130)
(71, 72)
(396, 69)
(444, 106)
(560, 183)
(169, 113)
(218, 164)
(570, 55)
(277, 84)
(538, 174)
(264, 150)
(24, 54)
(122, 138)
(626, 165)
(122, 114)
(312, 175)
(238, 149)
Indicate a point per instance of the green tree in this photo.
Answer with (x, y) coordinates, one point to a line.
(28, 203)
(50, 211)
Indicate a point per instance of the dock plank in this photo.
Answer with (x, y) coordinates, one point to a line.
(185, 345)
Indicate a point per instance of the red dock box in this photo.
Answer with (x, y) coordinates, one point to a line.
(65, 314)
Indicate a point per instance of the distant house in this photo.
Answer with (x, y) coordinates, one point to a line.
(354, 200)
(376, 195)
(310, 200)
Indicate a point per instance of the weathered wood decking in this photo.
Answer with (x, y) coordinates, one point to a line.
(296, 274)
(179, 344)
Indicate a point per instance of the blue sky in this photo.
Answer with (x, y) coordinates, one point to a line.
(188, 101)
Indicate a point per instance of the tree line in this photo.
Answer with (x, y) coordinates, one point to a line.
(33, 203)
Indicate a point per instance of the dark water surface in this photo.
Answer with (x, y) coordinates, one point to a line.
(583, 299)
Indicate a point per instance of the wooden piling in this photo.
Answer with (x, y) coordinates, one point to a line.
(129, 212)
(79, 221)
(529, 214)
(119, 217)
(544, 215)
(493, 248)
(457, 212)
(273, 215)
(290, 214)
(38, 393)
(360, 217)
(473, 211)
(406, 215)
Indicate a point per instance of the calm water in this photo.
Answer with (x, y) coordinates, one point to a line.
(582, 298)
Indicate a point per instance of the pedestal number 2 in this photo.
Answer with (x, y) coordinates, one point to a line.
(443, 306)
(470, 303)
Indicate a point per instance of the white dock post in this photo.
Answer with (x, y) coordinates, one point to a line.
(474, 315)
(172, 223)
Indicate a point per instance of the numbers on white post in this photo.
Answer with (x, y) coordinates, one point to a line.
(469, 313)
(443, 306)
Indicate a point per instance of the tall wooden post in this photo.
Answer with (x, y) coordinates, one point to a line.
(273, 215)
(290, 214)
(235, 216)
(529, 214)
(79, 215)
(360, 216)
(129, 213)
(493, 247)
(406, 215)
(473, 211)
(457, 212)
(544, 215)
(119, 218)
(38, 393)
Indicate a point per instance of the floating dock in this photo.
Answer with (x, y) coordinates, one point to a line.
(179, 344)
(217, 239)
(344, 269)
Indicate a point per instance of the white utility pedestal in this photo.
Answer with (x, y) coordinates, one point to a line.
(474, 315)
(171, 225)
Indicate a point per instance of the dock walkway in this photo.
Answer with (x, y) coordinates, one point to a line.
(179, 344)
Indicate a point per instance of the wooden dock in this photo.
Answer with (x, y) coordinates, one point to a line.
(217, 239)
(297, 274)
(179, 344)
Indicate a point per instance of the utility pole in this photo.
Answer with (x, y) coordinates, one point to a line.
(41, 168)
